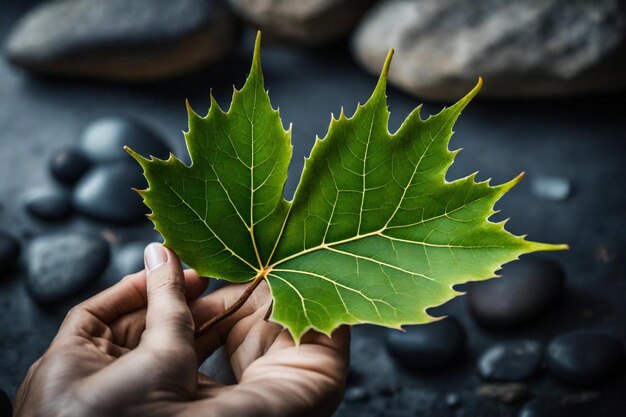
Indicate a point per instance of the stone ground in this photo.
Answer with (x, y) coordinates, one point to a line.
(580, 139)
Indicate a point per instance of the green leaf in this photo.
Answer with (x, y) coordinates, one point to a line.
(375, 233)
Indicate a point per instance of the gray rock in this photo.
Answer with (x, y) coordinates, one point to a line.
(129, 258)
(9, 252)
(103, 140)
(131, 40)
(48, 203)
(60, 266)
(106, 193)
(551, 188)
(304, 22)
(526, 290)
(526, 48)
(511, 361)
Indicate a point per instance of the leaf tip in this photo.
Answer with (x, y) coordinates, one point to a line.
(137, 157)
(256, 56)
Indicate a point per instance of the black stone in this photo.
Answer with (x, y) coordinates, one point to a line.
(526, 290)
(426, 346)
(584, 358)
(129, 259)
(511, 361)
(105, 193)
(9, 252)
(68, 165)
(48, 203)
(453, 400)
(60, 266)
(6, 409)
(103, 140)
(356, 394)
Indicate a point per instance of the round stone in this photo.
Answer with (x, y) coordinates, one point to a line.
(551, 188)
(428, 345)
(453, 400)
(9, 252)
(6, 409)
(106, 193)
(60, 266)
(129, 259)
(103, 140)
(526, 290)
(48, 203)
(356, 394)
(511, 361)
(584, 358)
(68, 165)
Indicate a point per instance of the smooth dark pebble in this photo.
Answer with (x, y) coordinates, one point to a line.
(60, 266)
(526, 290)
(453, 400)
(356, 395)
(103, 140)
(6, 409)
(551, 188)
(585, 358)
(9, 252)
(129, 258)
(507, 393)
(48, 203)
(68, 165)
(511, 361)
(105, 193)
(426, 346)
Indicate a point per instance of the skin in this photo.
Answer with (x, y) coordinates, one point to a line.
(130, 351)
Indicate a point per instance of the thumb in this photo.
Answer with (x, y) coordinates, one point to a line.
(168, 319)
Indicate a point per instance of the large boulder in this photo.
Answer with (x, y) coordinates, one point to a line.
(524, 48)
(131, 40)
(302, 22)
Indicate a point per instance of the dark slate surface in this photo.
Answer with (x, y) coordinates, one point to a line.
(580, 139)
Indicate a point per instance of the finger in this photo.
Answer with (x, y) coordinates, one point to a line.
(215, 304)
(127, 330)
(125, 297)
(168, 319)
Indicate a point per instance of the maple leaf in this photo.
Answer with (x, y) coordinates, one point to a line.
(374, 234)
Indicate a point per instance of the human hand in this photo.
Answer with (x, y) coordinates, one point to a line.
(130, 350)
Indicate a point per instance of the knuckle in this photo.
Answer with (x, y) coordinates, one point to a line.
(169, 282)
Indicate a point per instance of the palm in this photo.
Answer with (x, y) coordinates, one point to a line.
(271, 371)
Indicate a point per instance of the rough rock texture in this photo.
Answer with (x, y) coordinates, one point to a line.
(132, 40)
(307, 22)
(526, 48)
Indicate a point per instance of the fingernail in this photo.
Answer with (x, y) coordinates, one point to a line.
(155, 256)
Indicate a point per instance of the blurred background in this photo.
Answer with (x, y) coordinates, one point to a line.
(81, 78)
